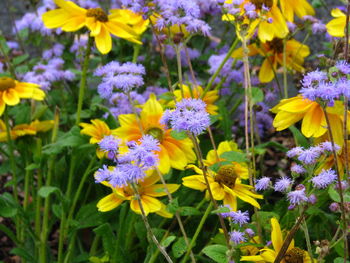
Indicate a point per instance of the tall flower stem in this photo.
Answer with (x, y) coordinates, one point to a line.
(307, 238)
(179, 68)
(340, 188)
(82, 86)
(147, 225)
(198, 230)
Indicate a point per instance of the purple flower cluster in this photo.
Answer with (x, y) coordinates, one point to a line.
(189, 115)
(283, 184)
(297, 197)
(262, 183)
(317, 27)
(325, 178)
(237, 237)
(240, 218)
(119, 76)
(110, 145)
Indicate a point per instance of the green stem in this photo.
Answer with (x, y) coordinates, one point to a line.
(307, 237)
(179, 68)
(94, 245)
(198, 230)
(216, 73)
(136, 53)
(83, 80)
(27, 179)
(37, 220)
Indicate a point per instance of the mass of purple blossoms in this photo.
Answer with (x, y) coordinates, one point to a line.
(325, 178)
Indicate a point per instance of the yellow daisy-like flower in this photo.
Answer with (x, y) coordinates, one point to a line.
(273, 53)
(266, 31)
(299, 7)
(292, 110)
(134, 20)
(149, 191)
(25, 129)
(173, 153)
(197, 92)
(293, 254)
(227, 146)
(97, 130)
(225, 185)
(71, 17)
(12, 91)
(336, 27)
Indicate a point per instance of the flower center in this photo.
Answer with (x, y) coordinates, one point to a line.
(276, 44)
(156, 133)
(98, 14)
(227, 176)
(6, 83)
(295, 255)
(259, 3)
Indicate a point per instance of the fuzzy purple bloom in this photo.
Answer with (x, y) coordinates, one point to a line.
(310, 156)
(110, 145)
(327, 146)
(297, 197)
(283, 184)
(237, 237)
(262, 183)
(294, 152)
(343, 66)
(334, 207)
(298, 169)
(325, 178)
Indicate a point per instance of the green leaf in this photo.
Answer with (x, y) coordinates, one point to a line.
(276, 145)
(233, 156)
(166, 242)
(299, 138)
(167, 96)
(173, 206)
(18, 60)
(108, 237)
(257, 95)
(178, 135)
(223, 209)
(216, 166)
(3, 44)
(189, 211)
(45, 191)
(6, 208)
(179, 247)
(216, 253)
(265, 218)
(334, 195)
(32, 166)
(39, 111)
(340, 260)
(23, 253)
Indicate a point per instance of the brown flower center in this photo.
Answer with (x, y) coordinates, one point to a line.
(295, 255)
(226, 176)
(276, 44)
(98, 14)
(259, 3)
(156, 133)
(6, 83)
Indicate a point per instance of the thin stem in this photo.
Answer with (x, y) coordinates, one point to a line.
(307, 237)
(198, 230)
(179, 68)
(27, 179)
(147, 225)
(83, 79)
(136, 53)
(37, 220)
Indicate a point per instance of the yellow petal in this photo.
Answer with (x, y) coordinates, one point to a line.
(312, 121)
(103, 41)
(266, 73)
(2, 105)
(164, 161)
(10, 97)
(176, 156)
(284, 119)
(276, 235)
(153, 204)
(159, 189)
(108, 203)
(336, 27)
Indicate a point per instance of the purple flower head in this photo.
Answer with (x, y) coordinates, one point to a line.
(343, 184)
(343, 66)
(250, 232)
(309, 156)
(110, 145)
(318, 27)
(297, 197)
(327, 146)
(298, 169)
(334, 207)
(240, 218)
(283, 184)
(237, 237)
(237, 2)
(325, 178)
(291, 26)
(270, 20)
(312, 199)
(312, 78)
(343, 85)
(115, 176)
(262, 183)
(296, 151)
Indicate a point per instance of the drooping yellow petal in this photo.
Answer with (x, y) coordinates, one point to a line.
(103, 40)
(266, 73)
(276, 235)
(283, 120)
(312, 121)
(108, 203)
(159, 189)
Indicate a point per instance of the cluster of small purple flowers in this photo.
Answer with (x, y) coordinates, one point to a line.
(324, 179)
(250, 10)
(317, 27)
(131, 166)
(50, 70)
(317, 86)
(123, 77)
(189, 115)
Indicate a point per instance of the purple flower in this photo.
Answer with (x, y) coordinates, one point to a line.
(297, 197)
(298, 169)
(240, 218)
(325, 178)
(294, 152)
(327, 146)
(110, 144)
(334, 207)
(291, 26)
(309, 156)
(343, 85)
(313, 78)
(262, 183)
(115, 176)
(283, 184)
(237, 237)
(343, 66)
(318, 27)
(312, 199)
(250, 232)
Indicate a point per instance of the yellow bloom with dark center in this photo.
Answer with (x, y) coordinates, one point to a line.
(273, 53)
(292, 110)
(293, 254)
(97, 130)
(240, 169)
(173, 153)
(12, 91)
(225, 185)
(336, 27)
(70, 17)
(25, 129)
(266, 31)
(300, 8)
(149, 191)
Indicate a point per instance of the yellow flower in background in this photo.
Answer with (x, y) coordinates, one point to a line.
(173, 153)
(273, 53)
(134, 20)
(266, 30)
(12, 91)
(289, 111)
(298, 7)
(169, 31)
(149, 191)
(70, 17)
(227, 146)
(225, 185)
(336, 27)
(97, 130)
(25, 129)
(293, 254)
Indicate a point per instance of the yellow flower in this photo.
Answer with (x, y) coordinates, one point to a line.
(12, 91)
(148, 190)
(225, 185)
(209, 98)
(173, 153)
(227, 146)
(336, 27)
(70, 17)
(170, 31)
(266, 31)
(25, 129)
(299, 7)
(293, 254)
(134, 20)
(96, 130)
(292, 110)
(273, 53)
